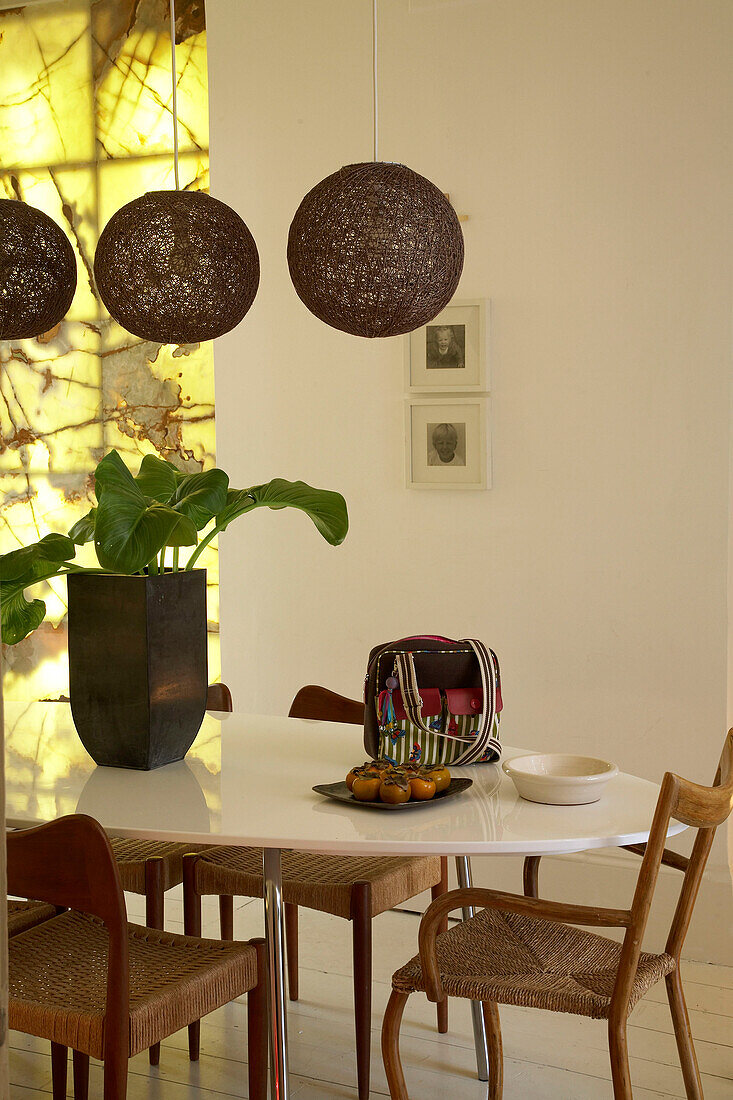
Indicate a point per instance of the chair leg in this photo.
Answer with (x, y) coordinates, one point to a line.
(683, 1035)
(531, 876)
(59, 1065)
(619, 1051)
(361, 916)
(441, 888)
(391, 1045)
(81, 1075)
(291, 941)
(226, 916)
(496, 1052)
(154, 917)
(192, 927)
(257, 1032)
(115, 1073)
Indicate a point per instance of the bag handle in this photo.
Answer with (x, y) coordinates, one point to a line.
(412, 702)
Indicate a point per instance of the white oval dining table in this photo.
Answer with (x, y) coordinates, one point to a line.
(248, 780)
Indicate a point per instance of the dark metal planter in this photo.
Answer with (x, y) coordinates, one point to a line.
(137, 665)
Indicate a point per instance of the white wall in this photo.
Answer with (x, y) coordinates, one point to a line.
(587, 142)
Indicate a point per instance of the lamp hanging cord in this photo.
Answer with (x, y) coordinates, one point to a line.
(174, 79)
(375, 94)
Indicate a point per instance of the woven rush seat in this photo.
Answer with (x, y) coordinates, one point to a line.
(322, 882)
(518, 960)
(173, 980)
(132, 854)
(26, 914)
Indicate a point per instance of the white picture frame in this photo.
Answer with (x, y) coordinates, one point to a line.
(459, 335)
(447, 443)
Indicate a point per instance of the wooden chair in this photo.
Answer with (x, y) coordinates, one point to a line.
(519, 950)
(89, 980)
(23, 915)
(356, 889)
(316, 702)
(153, 867)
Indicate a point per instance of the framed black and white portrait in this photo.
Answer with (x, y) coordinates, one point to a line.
(447, 443)
(451, 353)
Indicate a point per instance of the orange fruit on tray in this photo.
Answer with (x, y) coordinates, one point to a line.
(374, 767)
(422, 787)
(366, 787)
(440, 776)
(395, 789)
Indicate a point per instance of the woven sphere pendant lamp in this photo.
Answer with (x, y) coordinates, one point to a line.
(177, 267)
(37, 271)
(375, 250)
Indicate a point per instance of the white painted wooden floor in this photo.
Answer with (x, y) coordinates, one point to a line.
(547, 1056)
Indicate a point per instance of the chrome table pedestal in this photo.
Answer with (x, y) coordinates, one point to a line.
(279, 1082)
(465, 880)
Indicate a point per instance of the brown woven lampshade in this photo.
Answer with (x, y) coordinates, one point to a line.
(375, 250)
(177, 267)
(37, 271)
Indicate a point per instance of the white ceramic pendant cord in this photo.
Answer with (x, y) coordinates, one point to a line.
(375, 76)
(174, 81)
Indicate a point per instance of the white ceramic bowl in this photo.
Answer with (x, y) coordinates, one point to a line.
(560, 779)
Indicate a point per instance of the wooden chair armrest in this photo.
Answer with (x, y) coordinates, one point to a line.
(479, 897)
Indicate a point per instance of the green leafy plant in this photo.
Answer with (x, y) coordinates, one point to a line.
(138, 518)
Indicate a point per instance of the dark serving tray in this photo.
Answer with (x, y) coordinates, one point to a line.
(341, 793)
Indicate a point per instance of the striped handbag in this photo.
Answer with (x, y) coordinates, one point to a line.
(431, 700)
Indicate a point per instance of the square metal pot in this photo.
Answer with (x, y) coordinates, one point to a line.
(138, 668)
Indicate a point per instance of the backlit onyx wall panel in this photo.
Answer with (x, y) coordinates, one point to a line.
(85, 126)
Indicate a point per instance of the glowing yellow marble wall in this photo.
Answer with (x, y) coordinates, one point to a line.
(85, 126)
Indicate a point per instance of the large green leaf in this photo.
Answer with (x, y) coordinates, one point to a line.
(111, 473)
(19, 563)
(131, 529)
(19, 616)
(182, 532)
(157, 478)
(129, 533)
(83, 529)
(326, 508)
(201, 496)
(198, 496)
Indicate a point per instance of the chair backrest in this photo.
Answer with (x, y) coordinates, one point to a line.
(704, 808)
(69, 863)
(708, 807)
(326, 706)
(219, 697)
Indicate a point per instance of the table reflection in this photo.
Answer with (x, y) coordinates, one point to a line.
(175, 786)
(47, 767)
